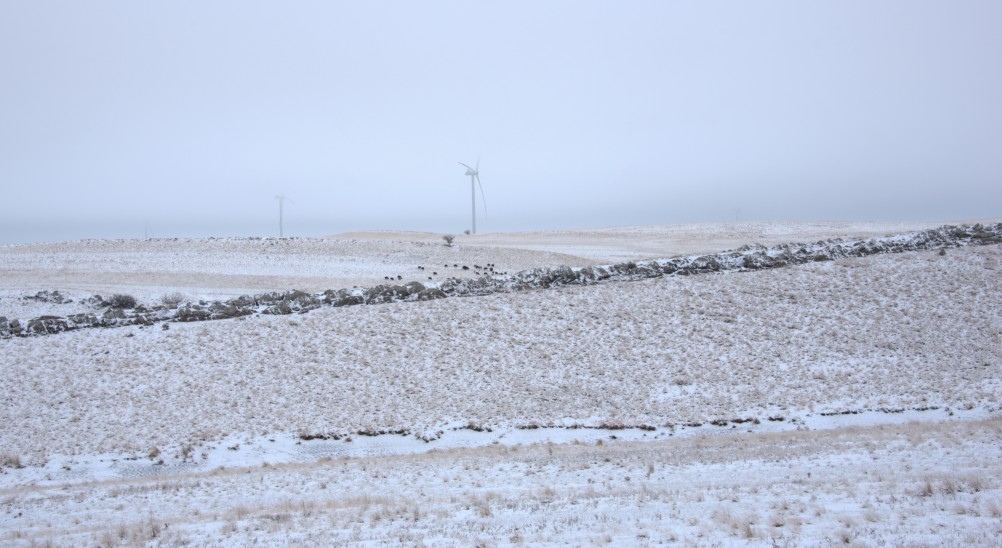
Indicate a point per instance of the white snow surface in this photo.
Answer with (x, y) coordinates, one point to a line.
(220, 268)
(847, 402)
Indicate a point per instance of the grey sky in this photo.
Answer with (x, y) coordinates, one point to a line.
(187, 118)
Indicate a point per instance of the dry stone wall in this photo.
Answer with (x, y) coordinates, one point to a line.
(746, 258)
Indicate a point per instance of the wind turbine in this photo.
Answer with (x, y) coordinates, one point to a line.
(281, 201)
(474, 174)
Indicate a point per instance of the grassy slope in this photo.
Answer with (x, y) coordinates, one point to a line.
(909, 330)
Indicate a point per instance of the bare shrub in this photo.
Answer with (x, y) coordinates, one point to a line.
(950, 486)
(173, 299)
(122, 301)
(448, 239)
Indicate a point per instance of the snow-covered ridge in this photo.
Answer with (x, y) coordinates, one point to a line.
(746, 258)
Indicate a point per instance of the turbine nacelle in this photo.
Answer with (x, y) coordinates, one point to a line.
(472, 172)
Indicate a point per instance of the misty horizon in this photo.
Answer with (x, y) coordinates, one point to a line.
(187, 118)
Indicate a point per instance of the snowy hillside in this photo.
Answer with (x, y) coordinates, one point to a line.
(856, 400)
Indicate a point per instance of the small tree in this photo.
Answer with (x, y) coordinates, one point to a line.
(448, 239)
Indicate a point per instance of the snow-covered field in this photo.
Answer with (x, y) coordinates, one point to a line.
(857, 401)
(228, 267)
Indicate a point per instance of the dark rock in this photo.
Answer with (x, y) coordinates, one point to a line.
(385, 294)
(350, 300)
(342, 297)
(83, 320)
(47, 296)
(112, 316)
(278, 309)
(430, 294)
(706, 263)
(562, 275)
(43, 325)
(757, 261)
(669, 268)
(243, 301)
(14, 327)
(414, 287)
(587, 275)
(222, 311)
(191, 313)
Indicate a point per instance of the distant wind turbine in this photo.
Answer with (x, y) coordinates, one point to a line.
(281, 202)
(474, 174)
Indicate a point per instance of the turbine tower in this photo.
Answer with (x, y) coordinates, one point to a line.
(281, 202)
(474, 174)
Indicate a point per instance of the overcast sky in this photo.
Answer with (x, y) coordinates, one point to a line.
(125, 119)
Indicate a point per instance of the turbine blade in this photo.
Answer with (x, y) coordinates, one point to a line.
(482, 197)
(466, 166)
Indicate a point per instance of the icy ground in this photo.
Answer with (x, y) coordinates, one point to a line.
(849, 402)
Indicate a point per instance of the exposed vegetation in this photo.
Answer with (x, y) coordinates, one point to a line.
(122, 301)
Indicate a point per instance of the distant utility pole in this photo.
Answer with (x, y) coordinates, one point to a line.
(281, 202)
(737, 214)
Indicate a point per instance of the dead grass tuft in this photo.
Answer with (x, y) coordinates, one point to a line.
(10, 460)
